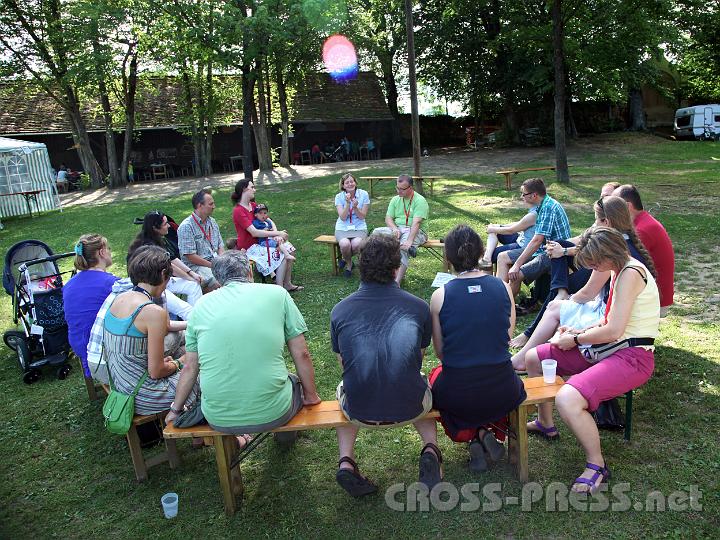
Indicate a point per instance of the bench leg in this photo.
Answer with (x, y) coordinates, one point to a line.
(334, 249)
(230, 477)
(90, 386)
(136, 454)
(508, 181)
(172, 454)
(628, 414)
(518, 449)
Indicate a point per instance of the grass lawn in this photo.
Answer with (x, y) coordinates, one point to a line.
(63, 475)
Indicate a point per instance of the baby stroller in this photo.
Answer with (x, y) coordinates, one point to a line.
(31, 276)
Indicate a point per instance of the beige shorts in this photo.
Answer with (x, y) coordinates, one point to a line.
(420, 238)
(370, 424)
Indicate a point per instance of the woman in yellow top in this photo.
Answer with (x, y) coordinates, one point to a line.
(632, 313)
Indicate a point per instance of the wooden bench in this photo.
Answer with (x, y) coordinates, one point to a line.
(372, 179)
(435, 247)
(140, 463)
(327, 415)
(512, 172)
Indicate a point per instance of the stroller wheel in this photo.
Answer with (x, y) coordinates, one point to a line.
(11, 337)
(64, 371)
(31, 376)
(24, 356)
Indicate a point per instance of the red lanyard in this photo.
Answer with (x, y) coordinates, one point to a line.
(408, 209)
(351, 207)
(208, 234)
(610, 298)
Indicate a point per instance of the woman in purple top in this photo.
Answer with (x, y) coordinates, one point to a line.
(86, 291)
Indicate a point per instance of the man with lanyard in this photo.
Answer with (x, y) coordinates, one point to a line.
(404, 218)
(552, 224)
(199, 239)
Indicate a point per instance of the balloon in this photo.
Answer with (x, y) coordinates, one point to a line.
(340, 58)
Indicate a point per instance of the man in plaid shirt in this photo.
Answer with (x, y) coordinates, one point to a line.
(199, 239)
(552, 224)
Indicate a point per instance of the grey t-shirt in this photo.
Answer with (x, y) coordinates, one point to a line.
(379, 331)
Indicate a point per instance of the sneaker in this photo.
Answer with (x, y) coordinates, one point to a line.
(494, 449)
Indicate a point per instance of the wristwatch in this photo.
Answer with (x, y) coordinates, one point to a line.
(174, 410)
(575, 338)
(564, 252)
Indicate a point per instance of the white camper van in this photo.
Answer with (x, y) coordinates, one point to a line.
(698, 122)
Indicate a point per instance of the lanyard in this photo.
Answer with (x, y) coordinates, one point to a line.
(408, 209)
(208, 234)
(351, 208)
(610, 297)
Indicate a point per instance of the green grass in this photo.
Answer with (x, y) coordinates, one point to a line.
(63, 475)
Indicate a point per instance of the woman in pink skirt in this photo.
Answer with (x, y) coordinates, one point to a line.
(632, 313)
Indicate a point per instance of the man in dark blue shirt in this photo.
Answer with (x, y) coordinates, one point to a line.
(380, 334)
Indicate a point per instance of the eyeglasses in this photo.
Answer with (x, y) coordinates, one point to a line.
(523, 195)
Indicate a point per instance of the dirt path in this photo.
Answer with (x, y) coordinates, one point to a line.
(452, 162)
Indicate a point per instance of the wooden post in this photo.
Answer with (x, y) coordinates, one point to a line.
(136, 454)
(230, 478)
(413, 92)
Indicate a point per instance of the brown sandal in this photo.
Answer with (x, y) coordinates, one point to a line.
(430, 472)
(352, 481)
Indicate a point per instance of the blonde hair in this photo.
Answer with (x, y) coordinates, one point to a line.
(602, 244)
(615, 211)
(87, 250)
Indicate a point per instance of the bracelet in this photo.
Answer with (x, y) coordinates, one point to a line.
(564, 252)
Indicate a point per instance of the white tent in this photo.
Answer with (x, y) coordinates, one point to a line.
(25, 166)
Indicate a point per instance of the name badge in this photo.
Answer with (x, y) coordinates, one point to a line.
(351, 227)
(472, 289)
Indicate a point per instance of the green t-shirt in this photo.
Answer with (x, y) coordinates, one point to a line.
(240, 332)
(418, 207)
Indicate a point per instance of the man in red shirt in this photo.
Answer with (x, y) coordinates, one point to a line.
(656, 240)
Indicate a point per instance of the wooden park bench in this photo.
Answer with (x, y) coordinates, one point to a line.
(435, 247)
(512, 172)
(372, 179)
(327, 415)
(140, 463)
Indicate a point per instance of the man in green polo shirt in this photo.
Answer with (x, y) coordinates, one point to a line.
(404, 217)
(235, 340)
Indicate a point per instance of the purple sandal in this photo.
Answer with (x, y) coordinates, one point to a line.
(599, 471)
(545, 432)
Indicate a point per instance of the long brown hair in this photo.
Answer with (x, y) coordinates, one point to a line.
(615, 211)
(602, 244)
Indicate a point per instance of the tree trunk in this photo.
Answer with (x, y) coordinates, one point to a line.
(82, 140)
(248, 104)
(636, 110)
(569, 119)
(391, 90)
(209, 119)
(260, 123)
(410, 29)
(561, 166)
(130, 89)
(284, 116)
(187, 87)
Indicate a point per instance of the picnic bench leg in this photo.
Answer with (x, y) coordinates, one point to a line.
(508, 181)
(136, 454)
(90, 386)
(172, 454)
(230, 477)
(333, 255)
(370, 181)
(432, 182)
(519, 448)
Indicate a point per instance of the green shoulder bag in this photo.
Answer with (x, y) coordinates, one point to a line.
(119, 408)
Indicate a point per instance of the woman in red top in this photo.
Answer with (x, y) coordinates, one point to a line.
(247, 234)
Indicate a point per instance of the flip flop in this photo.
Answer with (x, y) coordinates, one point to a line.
(599, 471)
(544, 432)
(295, 289)
(352, 481)
(430, 474)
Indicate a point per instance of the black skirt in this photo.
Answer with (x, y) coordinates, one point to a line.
(468, 398)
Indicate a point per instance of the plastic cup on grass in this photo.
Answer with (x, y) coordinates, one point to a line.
(170, 504)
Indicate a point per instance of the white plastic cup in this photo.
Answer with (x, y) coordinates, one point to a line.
(170, 504)
(549, 368)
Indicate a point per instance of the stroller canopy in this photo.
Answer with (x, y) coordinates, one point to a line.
(27, 250)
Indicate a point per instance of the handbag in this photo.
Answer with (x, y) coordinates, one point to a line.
(609, 416)
(595, 353)
(119, 408)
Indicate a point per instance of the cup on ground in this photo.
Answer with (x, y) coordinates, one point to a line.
(549, 368)
(170, 504)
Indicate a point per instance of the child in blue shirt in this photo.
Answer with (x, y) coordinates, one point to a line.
(263, 223)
